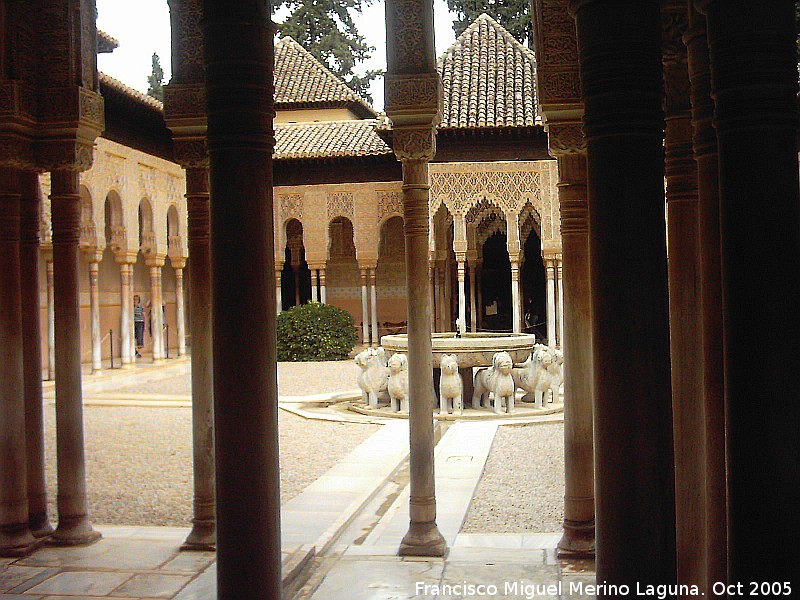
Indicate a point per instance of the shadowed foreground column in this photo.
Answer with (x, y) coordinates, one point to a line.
(203, 534)
(38, 519)
(15, 536)
(73, 514)
(623, 123)
(705, 154)
(239, 60)
(578, 537)
(754, 76)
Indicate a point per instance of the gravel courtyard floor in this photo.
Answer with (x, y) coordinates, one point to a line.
(139, 460)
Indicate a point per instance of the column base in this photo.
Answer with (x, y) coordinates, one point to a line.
(423, 539)
(202, 537)
(128, 365)
(40, 526)
(16, 541)
(577, 541)
(74, 531)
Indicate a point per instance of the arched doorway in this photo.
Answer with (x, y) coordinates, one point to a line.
(295, 276)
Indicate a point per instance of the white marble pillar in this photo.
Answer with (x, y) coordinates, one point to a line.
(473, 306)
(314, 289)
(278, 295)
(373, 295)
(462, 298)
(180, 306)
(51, 323)
(551, 302)
(323, 295)
(127, 340)
(516, 304)
(432, 293)
(560, 303)
(364, 308)
(156, 310)
(94, 306)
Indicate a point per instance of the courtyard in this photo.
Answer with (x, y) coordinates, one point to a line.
(343, 493)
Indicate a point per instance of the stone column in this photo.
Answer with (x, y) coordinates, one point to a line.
(705, 153)
(516, 303)
(180, 308)
(364, 306)
(560, 302)
(94, 302)
(51, 319)
(623, 122)
(478, 284)
(278, 295)
(578, 536)
(30, 206)
(432, 292)
(684, 303)
(550, 269)
(754, 77)
(15, 535)
(73, 516)
(203, 534)
(295, 262)
(473, 305)
(413, 97)
(127, 339)
(156, 307)
(373, 295)
(239, 59)
(314, 289)
(462, 296)
(323, 294)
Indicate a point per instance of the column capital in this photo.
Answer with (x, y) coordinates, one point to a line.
(178, 263)
(125, 257)
(93, 255)
(155, 261)
(565, 138)
(414, 143)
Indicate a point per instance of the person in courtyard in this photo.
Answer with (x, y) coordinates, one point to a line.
(138, 323)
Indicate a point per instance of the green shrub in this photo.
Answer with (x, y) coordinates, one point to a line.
(315, 331)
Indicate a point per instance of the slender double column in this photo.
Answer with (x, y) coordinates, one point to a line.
(462, 296)
(473, 304)
(51, 316)
(623, 123)
(560, 301)
(180, 307)
(95, 257)
(15, 536)
(753, 58)
(30, 207)
(239, 63)
(278, 293)
(579, 529)
(684, 303)
(323, 293)
(516, 303)
(127, 339)
(373, 303)
(73, 514)
(705, 154)
(156, 308)
(203, 534)
(365, 305)
(550, 269)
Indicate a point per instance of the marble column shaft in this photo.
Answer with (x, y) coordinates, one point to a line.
(364, 306)
(278, 292)
(323, 294)
(94, 310)
(127, 340)
(684, 304)
(51, 321)
(156, 310)
(239, 84)
(560, 302)
(180, 310)
(203, 534)
(623, 122)
(473, 305)
(516, 303)
(706, 157)
(462, 297)
(15, 535)
(753, 57)
(373, 295)
(551, 301)
(74, 526)
(578, 536)
(30, 207)
(314, 288)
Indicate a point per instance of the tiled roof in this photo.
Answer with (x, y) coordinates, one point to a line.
(489, 79)
(105, 42)
(117, 85)
(301, 81)
(328, 140)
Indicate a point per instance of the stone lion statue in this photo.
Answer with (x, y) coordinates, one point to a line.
(398, 383)
(451, 387)
(374, 376)
(496, 379)
(534, 375)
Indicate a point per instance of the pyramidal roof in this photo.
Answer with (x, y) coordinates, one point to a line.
(302, 81)
(489, 79)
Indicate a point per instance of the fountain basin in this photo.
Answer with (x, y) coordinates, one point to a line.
(471, 349)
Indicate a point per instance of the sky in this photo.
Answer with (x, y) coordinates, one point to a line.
(142, 28)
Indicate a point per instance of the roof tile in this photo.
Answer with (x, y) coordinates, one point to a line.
(328, 139)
